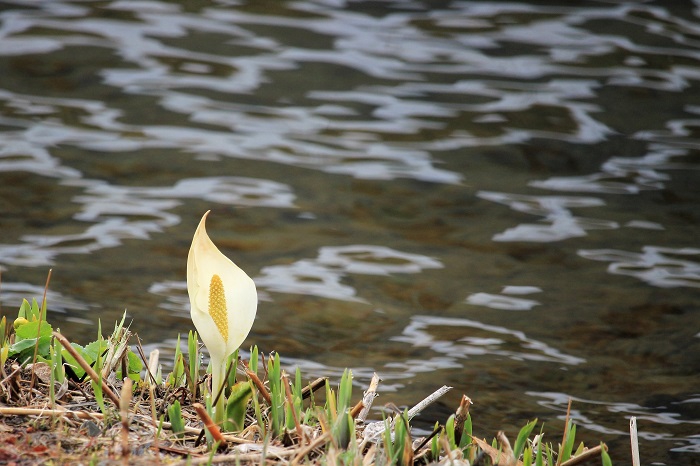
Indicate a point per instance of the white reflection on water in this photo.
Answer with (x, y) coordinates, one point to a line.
(658, 266)
(622, 175)
(322, 276)
(14, 292)
(499, 301)
(480, 339)
(662, 415)
(117, 213)
(398, 93)
(558, 222)
(506, 301)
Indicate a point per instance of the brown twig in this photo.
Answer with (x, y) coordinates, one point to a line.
(210, 425)
(317, 443)
(86, 367)
(585, 455)
(259, 385)
(312, 387)
(461, 416)
(355, 411)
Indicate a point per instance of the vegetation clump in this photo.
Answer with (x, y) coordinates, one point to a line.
(109, 403)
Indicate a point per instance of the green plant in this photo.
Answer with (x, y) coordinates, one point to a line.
(237, 405)
(177, 422)
(176, 378)
(276, 394)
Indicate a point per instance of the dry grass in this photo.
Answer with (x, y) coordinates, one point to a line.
(52, 416)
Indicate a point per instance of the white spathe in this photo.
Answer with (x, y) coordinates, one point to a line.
(223, 301)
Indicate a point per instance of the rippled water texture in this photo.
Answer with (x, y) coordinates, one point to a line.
(502, 197)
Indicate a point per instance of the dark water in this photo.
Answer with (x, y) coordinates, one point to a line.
(499, 196)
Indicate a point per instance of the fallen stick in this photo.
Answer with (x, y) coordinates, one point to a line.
(86, 367)
(374, 430)
(368, 397)
(635, 441)
(584, 456)
(210, 425)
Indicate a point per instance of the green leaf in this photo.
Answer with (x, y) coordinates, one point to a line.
(527, 456)
(177, 423)
(29, 330)
(3, 330)
(521, 441)
(450, 431)
(70, 360)
(177, 375)
(134, 367)
(237, 405)
(568, 446)
(253, 363)
(276, 394)
(434, 444)
(24, 310)
(604, 455)
(195, 361)
(538, 456)
(25, 340)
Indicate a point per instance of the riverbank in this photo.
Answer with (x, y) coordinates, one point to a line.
(62, 403)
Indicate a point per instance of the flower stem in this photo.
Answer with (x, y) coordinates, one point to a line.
(218, 369)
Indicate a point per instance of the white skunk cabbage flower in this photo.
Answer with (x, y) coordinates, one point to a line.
(223, 301)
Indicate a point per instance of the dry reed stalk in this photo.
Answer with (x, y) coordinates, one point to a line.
(312, 387)
(566, 428)
(461, 416)
(368, 398)
(634, 441)
(355, 411)
(318, 442)
(210, 425)
(259, 385)
(586, 455)
(124, 414)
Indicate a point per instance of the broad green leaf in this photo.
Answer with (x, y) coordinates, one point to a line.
(29, 330)
(521, 441)
(25, 340)
(237, 405)
(133, 368)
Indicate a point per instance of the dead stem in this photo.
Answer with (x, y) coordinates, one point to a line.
(124, 414)
(210, 425)
(86, 367)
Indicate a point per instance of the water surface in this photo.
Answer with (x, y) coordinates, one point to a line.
(499, 196)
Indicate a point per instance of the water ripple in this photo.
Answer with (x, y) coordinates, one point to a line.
(322, 276)
(558, 222)
(659, 266)
(479, 340)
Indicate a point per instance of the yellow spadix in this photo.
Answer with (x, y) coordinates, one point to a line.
(223, 301)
